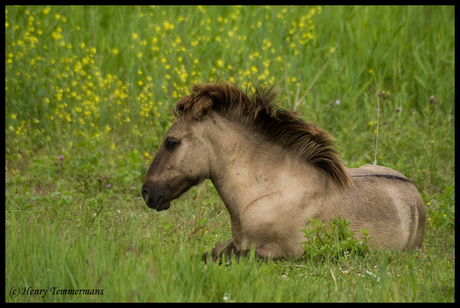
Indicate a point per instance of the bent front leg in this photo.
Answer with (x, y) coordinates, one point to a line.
(227, 248)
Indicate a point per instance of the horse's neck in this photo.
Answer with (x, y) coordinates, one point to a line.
(244, 170)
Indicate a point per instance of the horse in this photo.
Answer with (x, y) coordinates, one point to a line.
(274, 172)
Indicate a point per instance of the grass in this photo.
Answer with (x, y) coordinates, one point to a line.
(89, 92)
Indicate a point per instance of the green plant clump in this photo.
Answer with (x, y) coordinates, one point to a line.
(333, 240)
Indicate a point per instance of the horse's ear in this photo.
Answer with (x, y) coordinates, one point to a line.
(202, 109)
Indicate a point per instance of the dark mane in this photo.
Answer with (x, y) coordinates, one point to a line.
(257, 112)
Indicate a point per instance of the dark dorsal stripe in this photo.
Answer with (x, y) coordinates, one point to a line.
(388, 176)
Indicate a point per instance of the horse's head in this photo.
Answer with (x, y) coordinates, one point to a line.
(181, 160)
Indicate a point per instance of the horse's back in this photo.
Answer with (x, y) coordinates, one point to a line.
(375, 170)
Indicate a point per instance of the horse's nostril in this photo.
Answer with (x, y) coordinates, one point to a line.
(145, 194)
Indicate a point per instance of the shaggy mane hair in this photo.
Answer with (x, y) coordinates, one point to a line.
(256, 112)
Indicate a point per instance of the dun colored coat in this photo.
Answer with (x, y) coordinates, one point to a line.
(273, 171)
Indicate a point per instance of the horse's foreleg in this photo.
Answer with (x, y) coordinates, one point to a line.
(226, 248)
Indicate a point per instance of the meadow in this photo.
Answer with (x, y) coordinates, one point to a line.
(88, 99)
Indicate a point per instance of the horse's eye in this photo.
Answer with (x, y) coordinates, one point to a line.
(171, 144)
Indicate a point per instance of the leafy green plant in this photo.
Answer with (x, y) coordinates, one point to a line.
(333, 240)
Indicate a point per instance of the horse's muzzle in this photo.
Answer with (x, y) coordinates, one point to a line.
(155, 201)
